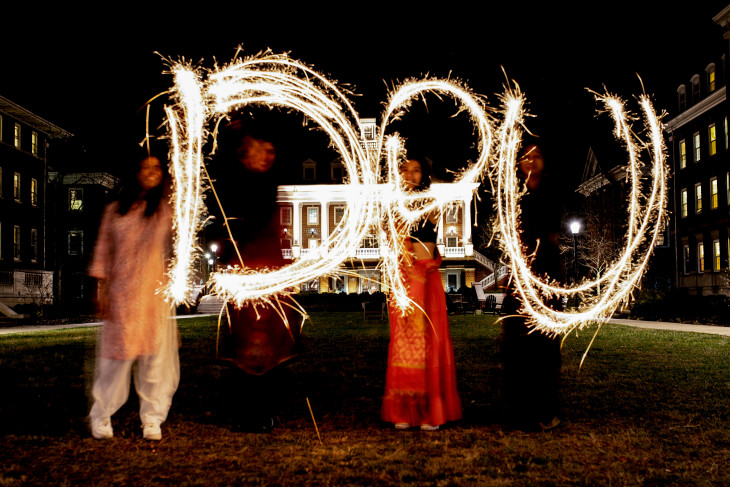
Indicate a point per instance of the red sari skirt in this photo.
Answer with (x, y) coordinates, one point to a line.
(420, 381)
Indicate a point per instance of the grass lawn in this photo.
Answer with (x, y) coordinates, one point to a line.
(647, 408)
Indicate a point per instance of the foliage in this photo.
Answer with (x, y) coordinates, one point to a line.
(711, 309)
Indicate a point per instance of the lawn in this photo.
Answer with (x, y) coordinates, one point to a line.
(645, 408)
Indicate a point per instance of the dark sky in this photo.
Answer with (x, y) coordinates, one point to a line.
(90, 72)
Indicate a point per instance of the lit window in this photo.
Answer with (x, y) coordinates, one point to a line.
(312, 215)
(697, 146)
(16, 186)
(711, 80)
(16, 242)
(682, 154)
(713, 140)
(286, 215)
(34, 192)
(452, 241)
(714, 196)
(452, 214)
(716, 255)
(684, 203)
(34, 143)
(339, 214)
(698, 198)
(33, 245)
(75, 199)
(370, 241)
(661, 238)
(700, 257)
(75, 242)
(16, 137)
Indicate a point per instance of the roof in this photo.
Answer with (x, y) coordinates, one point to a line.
(31, 119)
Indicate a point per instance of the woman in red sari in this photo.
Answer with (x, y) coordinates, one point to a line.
(420, 381)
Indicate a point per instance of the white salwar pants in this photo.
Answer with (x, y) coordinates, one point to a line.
(156, 378)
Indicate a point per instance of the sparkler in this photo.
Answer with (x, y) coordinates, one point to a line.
(203, 97)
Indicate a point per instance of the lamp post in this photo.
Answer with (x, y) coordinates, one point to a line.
(575, 230)
(212, 258)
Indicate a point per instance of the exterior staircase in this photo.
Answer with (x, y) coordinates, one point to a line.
(210, 304)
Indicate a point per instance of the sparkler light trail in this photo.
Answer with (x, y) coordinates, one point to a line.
(201, 98)
(602, 296)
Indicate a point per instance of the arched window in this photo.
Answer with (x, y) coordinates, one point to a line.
(682, 97)
(711, 77)
(695, 88)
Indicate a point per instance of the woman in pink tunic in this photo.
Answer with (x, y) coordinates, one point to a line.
(139, 328)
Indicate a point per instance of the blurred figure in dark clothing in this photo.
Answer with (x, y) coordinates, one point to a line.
(531, 361)
(255, 340)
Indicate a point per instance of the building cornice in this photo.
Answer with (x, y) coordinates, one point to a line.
(333, 193)
(29, 118)
(723, 18)
(696, 110)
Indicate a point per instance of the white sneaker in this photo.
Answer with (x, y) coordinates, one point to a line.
(151, 431)
(402, 426)
(428, 427)
(101, 428)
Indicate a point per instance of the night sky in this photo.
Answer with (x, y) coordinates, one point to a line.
(90, 73)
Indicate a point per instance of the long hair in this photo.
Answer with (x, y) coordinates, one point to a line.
(131, 189)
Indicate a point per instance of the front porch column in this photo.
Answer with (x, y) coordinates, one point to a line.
(324, 219)
(297, 230)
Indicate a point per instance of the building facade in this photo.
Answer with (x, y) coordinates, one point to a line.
(309, 213)
(77, 203)
(26, 275)
(700, 156)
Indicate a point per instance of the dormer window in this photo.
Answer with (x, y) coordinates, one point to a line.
(337, 171)
(711, 78)
(309, 170)
(682, 97)
(695, 88)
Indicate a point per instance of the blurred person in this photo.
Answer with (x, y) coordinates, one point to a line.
(254, 339)
(139, 334)
(420, 380)
(531, 361)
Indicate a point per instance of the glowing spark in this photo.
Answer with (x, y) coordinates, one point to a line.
(276, 81)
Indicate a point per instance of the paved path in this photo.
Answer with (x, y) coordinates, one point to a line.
(31, 328)
(654, 325)
(660, 325)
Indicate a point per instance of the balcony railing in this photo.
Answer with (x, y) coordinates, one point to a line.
(369, 253)
(454, 252)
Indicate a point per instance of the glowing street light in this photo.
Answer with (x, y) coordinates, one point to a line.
(575, 230)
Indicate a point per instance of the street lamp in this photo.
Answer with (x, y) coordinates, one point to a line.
(575, 230)
(211, 256)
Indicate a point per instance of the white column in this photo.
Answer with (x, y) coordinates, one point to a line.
(466, 229)
(324, 220)
(440, 235)
(297, 230)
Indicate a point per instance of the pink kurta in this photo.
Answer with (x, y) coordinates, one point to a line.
(130, 256)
